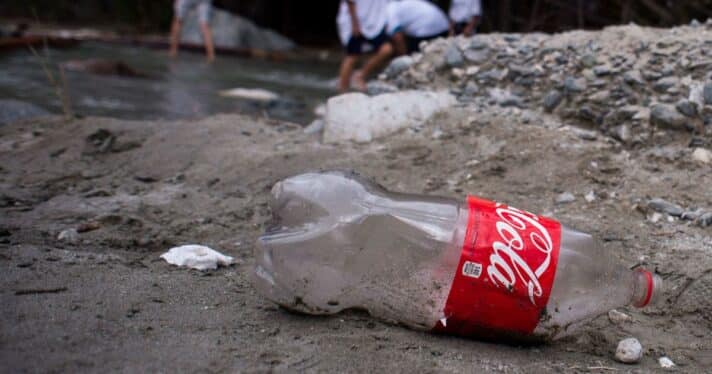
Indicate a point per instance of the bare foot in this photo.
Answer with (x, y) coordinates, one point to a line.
(359, 81)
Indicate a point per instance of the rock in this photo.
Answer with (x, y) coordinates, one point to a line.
(476, 44)
(686, 107)
(618, 317)
(602, 70)
(663, 206)
(696, 94)
(705, 220)
(493, 75)
(655, 217)
(629, 351)
(232, 31)
(477, 56)
(196, 257)
(379, 87)
(665, 362)
(398, 66)
(453, 56)
(70, 236)
(16, 110)
(707, 93)
(517, 70)
(357, 117)
(667, 116)
(589, 60)
(505, 98)
(585, 134)
(315, 127)
(471, 88)
(574, 85)
(591, 197)
(702, 155)
(633, 77)
(565, 198)
(692, 215)
(552, 100)
(663, 84)
(254, 94)
(98, 142)
(621, 133)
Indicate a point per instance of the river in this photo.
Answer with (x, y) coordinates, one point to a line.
(181, 88)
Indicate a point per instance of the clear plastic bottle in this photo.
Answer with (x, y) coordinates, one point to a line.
(340, 241)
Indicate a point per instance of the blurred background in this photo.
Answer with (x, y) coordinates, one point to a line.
(276, 58)
(312, 22)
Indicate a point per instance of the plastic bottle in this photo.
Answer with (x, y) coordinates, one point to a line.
(473, 267)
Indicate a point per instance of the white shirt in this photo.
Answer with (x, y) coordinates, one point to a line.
(371, 16)
(416, 18)
(464, 10)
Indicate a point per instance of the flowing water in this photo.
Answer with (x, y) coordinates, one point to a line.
(182, 88)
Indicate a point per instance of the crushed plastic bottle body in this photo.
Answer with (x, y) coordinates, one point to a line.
(339, 241)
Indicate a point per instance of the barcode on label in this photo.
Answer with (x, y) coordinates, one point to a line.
(472, 269)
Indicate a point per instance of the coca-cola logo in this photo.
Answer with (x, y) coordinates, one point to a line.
(508, 262)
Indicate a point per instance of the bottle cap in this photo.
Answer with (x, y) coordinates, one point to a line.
(652, 287)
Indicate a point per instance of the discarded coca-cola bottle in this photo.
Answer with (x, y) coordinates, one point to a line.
(476, 268)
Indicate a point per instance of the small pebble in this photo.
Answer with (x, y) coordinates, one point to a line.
(68, 236)
(666, 362)
(590, 197)
(618, 317)
(629, 351)
(702, 155)
(655, 217)
(565, 198)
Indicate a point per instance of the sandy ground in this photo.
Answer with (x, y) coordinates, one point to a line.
(108, 302)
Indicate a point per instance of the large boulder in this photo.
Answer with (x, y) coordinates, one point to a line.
(358, 117)
(232, 31)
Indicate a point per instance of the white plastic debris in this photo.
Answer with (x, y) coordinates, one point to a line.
(666, 362)
(196, 257)
(257, 94)
(629, 351)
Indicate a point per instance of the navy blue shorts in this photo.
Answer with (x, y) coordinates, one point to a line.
(460, 28)
(359, 45)
(413, 43)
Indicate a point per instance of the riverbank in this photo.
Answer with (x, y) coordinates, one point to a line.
(133, 189)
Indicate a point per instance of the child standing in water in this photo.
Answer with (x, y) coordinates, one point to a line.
(180, 9)
(362, 25)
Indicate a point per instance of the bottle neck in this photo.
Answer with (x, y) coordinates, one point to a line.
(647, 288)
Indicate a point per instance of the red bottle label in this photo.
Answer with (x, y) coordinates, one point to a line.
(505, 274)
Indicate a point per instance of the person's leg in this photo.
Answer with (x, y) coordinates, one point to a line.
(399, 42)
(374, 63)
(208, 40)
(347, 68)
(204, 17)
(175, 34)
(179, 10)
